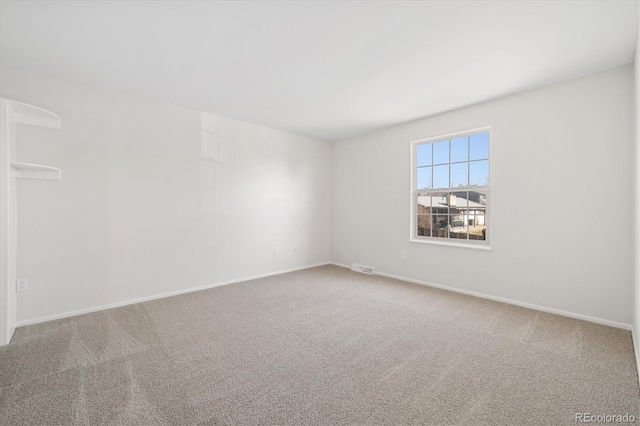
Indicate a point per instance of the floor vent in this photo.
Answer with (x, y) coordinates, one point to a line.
(360, 268)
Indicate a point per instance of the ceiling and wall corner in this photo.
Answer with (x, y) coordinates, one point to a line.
(354, 67)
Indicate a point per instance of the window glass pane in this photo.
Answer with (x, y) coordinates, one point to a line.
(424, 179)
(479, 146)
(455, 220)
(479, 173)
(423, 202)
(451, 200)
(459, 174)
(458, 215)
(461, 198)
(458, 228)
(439, 202)
(476, 215)
(424, 225)
(423, 154)
(424, 214)
(440, 226)
(441, 176)
(477, 198)
(441, 152)
(460, 149)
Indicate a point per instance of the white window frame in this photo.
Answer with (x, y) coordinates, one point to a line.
(413, 236)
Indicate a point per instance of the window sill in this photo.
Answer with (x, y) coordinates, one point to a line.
(451, 244)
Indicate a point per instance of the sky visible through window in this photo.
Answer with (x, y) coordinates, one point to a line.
(452, 163)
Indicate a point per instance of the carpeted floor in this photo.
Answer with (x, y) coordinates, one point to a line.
(320, 346)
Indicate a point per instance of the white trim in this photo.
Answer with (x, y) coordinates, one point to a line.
(13, 114)
(453, 135)
(29, 114)
(158, 296)
(508, 301)
(636, 350)
(36, 171)
(469, 244)
(413, 220)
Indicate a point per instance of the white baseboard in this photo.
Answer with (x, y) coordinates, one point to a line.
(505, 300)
(636, 350)
(157, 296)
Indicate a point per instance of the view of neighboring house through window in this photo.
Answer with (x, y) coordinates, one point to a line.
(450, 187)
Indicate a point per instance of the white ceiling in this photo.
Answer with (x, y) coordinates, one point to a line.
(327, 69)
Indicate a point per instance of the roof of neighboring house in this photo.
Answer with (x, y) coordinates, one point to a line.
(441, 202)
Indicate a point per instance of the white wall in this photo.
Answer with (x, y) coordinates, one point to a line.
(555, 150)
(636, 310)
(151, 203)
(156, 198)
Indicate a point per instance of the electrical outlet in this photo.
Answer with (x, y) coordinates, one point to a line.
(22, 284)
(275, 251)
(403, 254)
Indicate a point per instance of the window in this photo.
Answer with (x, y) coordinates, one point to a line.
(450, 189)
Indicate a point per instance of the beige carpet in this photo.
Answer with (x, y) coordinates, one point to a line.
(320, 346)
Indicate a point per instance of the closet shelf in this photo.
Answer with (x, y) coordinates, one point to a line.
(33, 115)
(36, 171)
(12, 115)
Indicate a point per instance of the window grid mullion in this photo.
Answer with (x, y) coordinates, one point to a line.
(431, 181)
(445, 193)
(468, 160)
